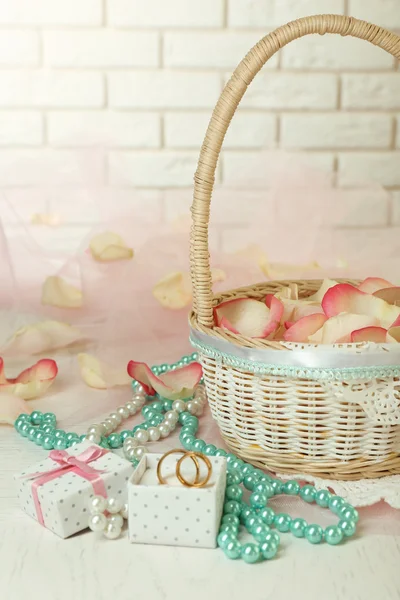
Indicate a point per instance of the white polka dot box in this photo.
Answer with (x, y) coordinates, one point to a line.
(56, 491)
(172, 514)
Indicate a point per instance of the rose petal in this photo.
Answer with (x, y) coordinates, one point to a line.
(373, 284)
(338, 329)
(326, 285)
(97, 374)
(109, 246)
(41, 337)
(173, 385)
(293, 310)
(390, 295)
(58, 292)
(275, 306)
(11, 407)
(217, 275)
(32, 382)
(173, 291)
(369, 334)
(394, 333)
(2, 375)
(304, 328)
(246, 316)
(345, 298)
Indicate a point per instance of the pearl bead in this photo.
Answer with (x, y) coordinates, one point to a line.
(139, 452)
(333, 535)
(164, 430)
(291, 488)
(115, 417)
(139, 400)
(269, 549)
(94, 429)
(282, 522)
(116, 519)
(250, 553)
(297, 527)
(154, 434)
(112, 531)
(314, 534)
(110, 424)
(322, 498)
(192, 407)
(97, 522)
(123, 412)
(233, 549)
(307, 493)
(125, 511)
(171, 417)
(130, 442)
(97, 505)
(131, 408)
(113, 505)
(347, 527)
(93, 437)
(141, 436)
(179, 406)
(130, 453)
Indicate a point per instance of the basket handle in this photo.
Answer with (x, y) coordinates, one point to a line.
(223, 112)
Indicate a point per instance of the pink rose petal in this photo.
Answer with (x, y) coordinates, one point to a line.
(394, 333)
(99, 375)
(369, 334)
(173, 385)
(42, 337)
(344, 298)
(304, 328)
(325, 286)
(248, 317)
(11, 407)
(389, 295)
(338, 329)
(373, 284)
(32, 382)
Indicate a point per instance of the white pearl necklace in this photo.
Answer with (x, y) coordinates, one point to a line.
(111, 525)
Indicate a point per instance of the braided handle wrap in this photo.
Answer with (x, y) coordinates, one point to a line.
(221, 118)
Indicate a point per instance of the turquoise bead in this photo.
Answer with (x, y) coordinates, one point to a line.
(156, 420)
(230, 458)
(158, 405)
(194, 356)
(314, 534)
(258, 500)
(220, 452)
(71, 436)
(335, 504)
(48, 428)
(291, 488)
(82, 437)
(264, 488)
(245, 513)
(18, 423)
(252, 520)
(234, 492)
(187, 442)
(48, 442)
(210, 450)
(183, 417)
(36, 417)
(267, 515)
(250, 553)
(269, 549)
(257, 525)
(24, 429)
(233, 477)
(233, 549)
(274, 536)
(25, 417)
(259, 531)
(247, 470)
(50, 418)
(232, 507)
(199, 445)
(322, 498)
(77, 440)
(103, 442)
(348, 513)
(348, 527)
(31, 433)
(39, 437)
(333, 535)
(250, 481)
(234, 465)
(167, 405)
(59, 433)
(60, 443)
(307, 493)
(163, 368)
(265, 479)
(297, 527)
(114, 440)
(282, 522)
(150, 414)
(231, 519)
(276, 486)
(127, 433)
(232, 529)
(224, 538)
(184, 434)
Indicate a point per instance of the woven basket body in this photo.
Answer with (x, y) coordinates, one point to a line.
(331, 411)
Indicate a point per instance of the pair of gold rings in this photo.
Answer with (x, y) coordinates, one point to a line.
(194, 456)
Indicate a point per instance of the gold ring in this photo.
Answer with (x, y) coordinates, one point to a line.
(177, 451)
(196, 483)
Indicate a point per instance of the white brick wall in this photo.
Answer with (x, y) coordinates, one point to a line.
(119, 93)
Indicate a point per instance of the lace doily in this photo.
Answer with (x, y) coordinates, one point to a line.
(379, 398)
(363, 492)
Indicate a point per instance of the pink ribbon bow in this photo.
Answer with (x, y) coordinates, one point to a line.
(70, 464)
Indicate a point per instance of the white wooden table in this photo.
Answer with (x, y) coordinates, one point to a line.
(35, 564)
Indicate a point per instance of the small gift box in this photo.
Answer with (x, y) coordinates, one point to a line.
(172, 514)
(56, 491)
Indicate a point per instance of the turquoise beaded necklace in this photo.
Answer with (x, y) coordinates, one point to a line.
(256, 517)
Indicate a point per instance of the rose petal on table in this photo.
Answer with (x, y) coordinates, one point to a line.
(345, 298)
(109, 246)
(326, 285)
(304, 328)
(173, 385)
(11, 407)
(369, 334)
(246, 316)
(373, 284)
(389, 295)
(41, 337)
(173, 291)
(32, 382)
(58, 292)
(338, 329)
(217, 275)
(99, 375)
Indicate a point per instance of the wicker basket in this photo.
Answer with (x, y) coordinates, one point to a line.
(330, 411)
